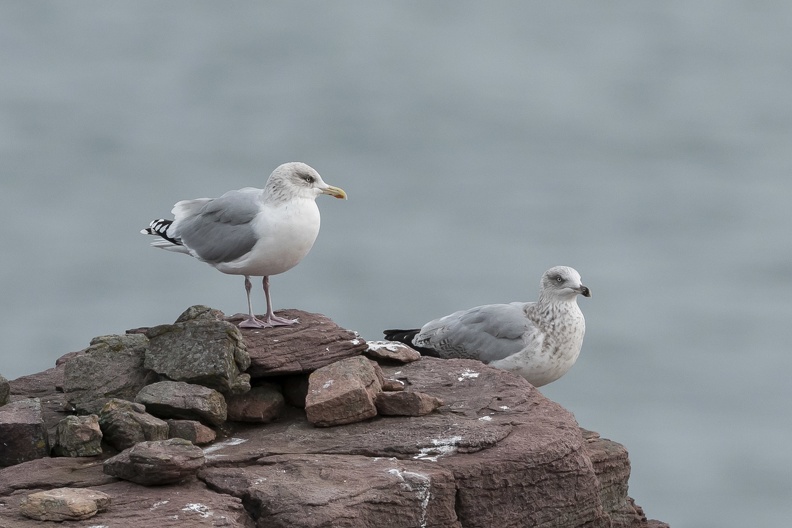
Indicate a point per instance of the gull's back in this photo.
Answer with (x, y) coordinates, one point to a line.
(488, 333)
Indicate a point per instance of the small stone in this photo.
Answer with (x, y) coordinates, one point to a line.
(406, 403)
(78, 436)
(392, 385)
(124, 424)
(191, 430)
(23, 432)
(156, 463)
(64, 504)
(392, 351)
(342, 392)
(177, 399)
(261, 404)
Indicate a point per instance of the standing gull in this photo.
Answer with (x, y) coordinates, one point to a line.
(251, 232)
(540, 340)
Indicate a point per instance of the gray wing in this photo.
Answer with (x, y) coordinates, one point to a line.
(221, 230)
(487, 333)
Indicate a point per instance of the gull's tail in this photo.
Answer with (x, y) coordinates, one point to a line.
(167, 241)
(406, 337)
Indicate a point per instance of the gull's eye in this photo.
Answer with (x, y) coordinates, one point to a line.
(559, 279)
(307, 178)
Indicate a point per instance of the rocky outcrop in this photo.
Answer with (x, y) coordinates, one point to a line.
(459, 444)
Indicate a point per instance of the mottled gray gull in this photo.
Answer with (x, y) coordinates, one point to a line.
(539, 340)
(251, 232)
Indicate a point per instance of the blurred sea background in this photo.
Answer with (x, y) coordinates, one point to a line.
(646, 144)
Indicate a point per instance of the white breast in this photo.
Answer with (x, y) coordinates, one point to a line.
(286, 233)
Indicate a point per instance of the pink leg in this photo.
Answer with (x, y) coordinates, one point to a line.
(251, 321)
(272, 319)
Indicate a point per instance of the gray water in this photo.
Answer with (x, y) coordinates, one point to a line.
(646, 144)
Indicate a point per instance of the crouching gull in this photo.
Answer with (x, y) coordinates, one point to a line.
(251, 232)
(539, 340)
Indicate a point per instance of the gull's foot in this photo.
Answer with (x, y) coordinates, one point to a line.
(274, 320)
(252, 322)
(249, 321)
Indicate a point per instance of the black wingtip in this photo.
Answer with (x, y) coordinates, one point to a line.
(406, 337)
(159, 228)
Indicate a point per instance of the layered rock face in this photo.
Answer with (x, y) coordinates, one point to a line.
(325, 437)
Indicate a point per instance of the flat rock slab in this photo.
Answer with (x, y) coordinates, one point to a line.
(64, 504)
(46, 473)
(177, 399)
(190, 504)
(23, 432)
(156, 463)
(314, 342)
(331, 490)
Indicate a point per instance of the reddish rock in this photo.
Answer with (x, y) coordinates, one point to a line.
(406, 403)
(261, 404)
(392, 351)
(349, 491)
(23, 432)
(314, 342)
(191, 430)
(156, 463)
(342, 392)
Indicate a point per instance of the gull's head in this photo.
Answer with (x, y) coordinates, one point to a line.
(296, 179)
(562, 283)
